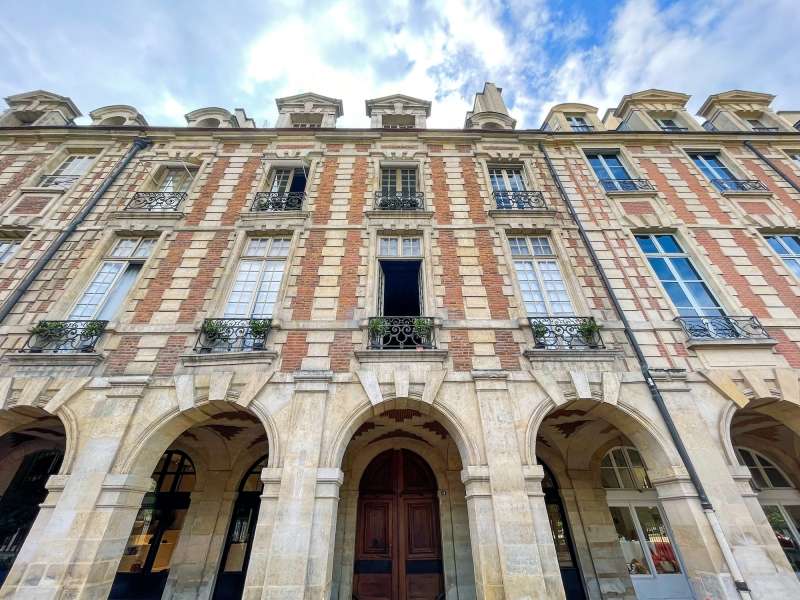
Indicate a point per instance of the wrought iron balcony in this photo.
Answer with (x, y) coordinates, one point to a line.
(64, 336)
(739, 185)
(399, 200)
(60, 182)
(398, 333)
(278, 201)
(766, 129)
(520, 200)
(565, 332)
(156, 201)
(723, 328)
(582, 128)
(673, 129)
(232, 335)
(627, 185)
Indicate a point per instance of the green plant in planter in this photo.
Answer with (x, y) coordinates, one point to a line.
(259, 328)
(213, 330)
(93, 329)
(422, 327)
(378, 327)
(539, 332)
(48, 330)
(588, 330)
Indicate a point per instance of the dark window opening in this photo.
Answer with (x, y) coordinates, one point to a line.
(401, 288)
(298, 181)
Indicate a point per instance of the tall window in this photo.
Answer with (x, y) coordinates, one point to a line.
(506, 179)
(68, 171)
(543, 290)
(712, 167)
(764, 473)
(683, 283)
(578, 123)
(112, 282)
(609, 170)
(788, 246)
(622, 468)
(400, 291)
(175, 179)
(258, 279)
(288, 180)
(398, 181)
(7, 249)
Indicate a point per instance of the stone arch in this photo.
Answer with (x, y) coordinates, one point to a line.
(468, 452)
(18, 418)
(115, 121)
(782, 412)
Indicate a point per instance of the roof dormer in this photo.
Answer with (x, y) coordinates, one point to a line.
(211, 117)
(572, 116)
(308, 111)
(117, 115)
(739, 110)
(398, 112)
(653, 110)
(489, 111)
(39, 108)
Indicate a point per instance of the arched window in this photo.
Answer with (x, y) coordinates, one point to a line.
(622, 468)
(763, 471)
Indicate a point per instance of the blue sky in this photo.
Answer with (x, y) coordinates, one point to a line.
(168, 58)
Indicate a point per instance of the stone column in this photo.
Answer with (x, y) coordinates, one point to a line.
(323, 539)
(259, 552)
(482, 533)
(514, 523)
(291, 541)
(544, 535)
(76, 546)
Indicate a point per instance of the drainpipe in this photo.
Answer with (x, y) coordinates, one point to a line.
(138, 144)
(771, 165)
(705, 503)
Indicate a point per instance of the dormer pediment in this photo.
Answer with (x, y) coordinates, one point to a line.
(740, 100)
(211, 116)
(43, 101)
(393, 102)
(117, 115)
(652, 99)
(310, 102)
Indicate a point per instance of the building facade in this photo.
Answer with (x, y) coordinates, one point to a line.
(398, 362)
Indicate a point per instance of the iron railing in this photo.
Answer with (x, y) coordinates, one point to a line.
(673, 128)
(627, 185)
(232, 335)
(739, 185)
(520, 200)
(565, 332)
(399, 200)
(64, 336)
(582, 128)
(397, 333)
(156, 201)
(60, 182)
(278, 201)
(764, 129)
(722, 327)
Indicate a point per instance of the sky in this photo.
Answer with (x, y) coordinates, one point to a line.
(170, 57)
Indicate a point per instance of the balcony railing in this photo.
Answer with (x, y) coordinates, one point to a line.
(627, 185)
(520, 200)
(739, 185)
(156, 201)
(673, 129)
(766, 129)
(399, 200)
(565, 332)
(278, 201)
(232, 335)
(398, 333)
(64, 336)
(60, 182)
(723, 327)
(582, 128)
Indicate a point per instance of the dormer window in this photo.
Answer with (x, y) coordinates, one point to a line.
(758, 125)
(670, 125)
(578, 123)
(306, 121)
(68, 172)
(398, 121)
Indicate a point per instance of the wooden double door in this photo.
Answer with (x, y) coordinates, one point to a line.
(398, 541)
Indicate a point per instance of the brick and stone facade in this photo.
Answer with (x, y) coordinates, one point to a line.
(513, 429)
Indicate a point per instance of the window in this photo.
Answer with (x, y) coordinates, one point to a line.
(402, 181)
(541, 283)
(758, 125)
(795, 156)
(306, 120)
(68, 171)
(609, 170)
(788, 247)
(680, 279)
(622, 468)
(175, 179)
(7, 249)
(669, 125)
(258, 279)
(713, 168)
(400, 290)
(398, 121)
(507, 179)
(764, 473)
(578, 123)
(288, 181)
(111, 283)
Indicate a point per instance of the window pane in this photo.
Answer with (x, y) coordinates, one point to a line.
(775, 478)
(554, 287)
(169, 540)
(388, 247)
(496, 177)
(7, 250)
(124, 248)
(629, 541)
(784, 534)
(529, 286)
(280, 180)
(138, 546)
(118, 294)
(279, 247)
(519, 246)
(97, 290)
(661, 268)
(647, 244)
(541, 246)
(678, 297)
(515, 180)
(685, 269)
(792, 242)
(145, 248)
(268, 289)
(701, 295)
(657, 540)
(241, 294)
(412, 247)
(609, 478)
(668, 244)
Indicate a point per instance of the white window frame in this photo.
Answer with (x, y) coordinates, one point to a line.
(65, 169)
(399, 175)
(718, 173)
(168, 175)
(506, 179)
(8, 248)
(265, 258)
(759, 459)
(789, 255)
(273, 178)
(629, 466)
(576, 122)
(535, 259)
(400, 255)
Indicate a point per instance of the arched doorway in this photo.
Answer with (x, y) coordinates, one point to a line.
(145, 564)
(562, 538)
(239, 539)
(398, 543)
(29, 455)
